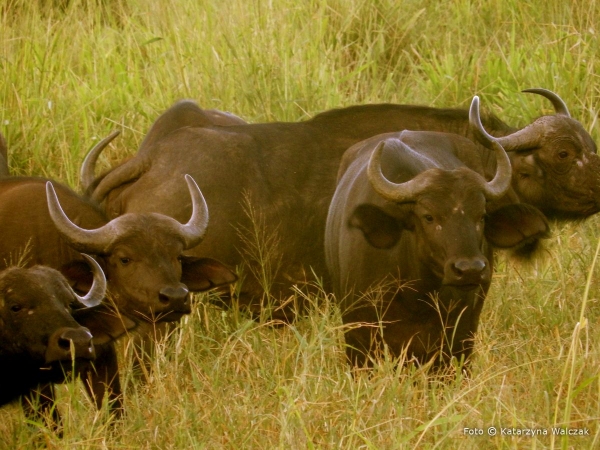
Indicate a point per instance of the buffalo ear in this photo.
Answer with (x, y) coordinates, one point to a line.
(380, 229)
(105, 324)
(202, 274)
(79, 275)
(516, 225)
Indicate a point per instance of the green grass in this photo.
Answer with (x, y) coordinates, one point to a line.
(70, 76)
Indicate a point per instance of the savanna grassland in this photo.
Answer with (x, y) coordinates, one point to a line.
(71, 72)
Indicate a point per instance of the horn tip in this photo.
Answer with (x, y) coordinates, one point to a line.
(95, 266)
(50, 188)
(98, 289)
(534, 90)
(192, 184)
(376, 154)
(88, 257)
(474, 111)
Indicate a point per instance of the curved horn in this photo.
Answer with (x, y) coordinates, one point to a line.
(98, 290)
(527, 138)
(88, 167)
(530, 136)
(124, 173)
(560, 107)
(501, 183)
(92, 241)
(193, 232)
(399, 193)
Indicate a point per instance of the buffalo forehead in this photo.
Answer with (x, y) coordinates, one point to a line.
(448, 199)
(35, 284)
(565, 129)
(146, 232)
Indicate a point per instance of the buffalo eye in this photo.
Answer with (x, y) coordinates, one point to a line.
(16, 308)
(125, 261)
(428, 218)
(563, 154)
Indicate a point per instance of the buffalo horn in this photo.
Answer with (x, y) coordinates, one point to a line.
(407, 191)
(193, 231)
(530, 136)
(401, 192)
(98, 290)
(88, 168)
(98, 241)
(91, 241)
(560, 107)
(497, 187)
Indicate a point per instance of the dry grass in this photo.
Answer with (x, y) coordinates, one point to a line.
(72, 75)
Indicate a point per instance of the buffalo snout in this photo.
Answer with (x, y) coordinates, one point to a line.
(60, 342)
(467, 272)
(176, 299)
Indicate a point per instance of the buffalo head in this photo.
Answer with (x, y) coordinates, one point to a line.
(424, 220)
(446, 212)
(36, 323)
(555, 165)
(148, 275)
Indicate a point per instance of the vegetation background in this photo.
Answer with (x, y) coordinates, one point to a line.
(71, 71)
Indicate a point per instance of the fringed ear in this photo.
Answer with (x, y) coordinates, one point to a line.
(517, 226)
(202, 274)
(379, 228)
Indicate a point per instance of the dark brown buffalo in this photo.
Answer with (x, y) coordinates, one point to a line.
(409, 242)
(287, 171)
(142, 254)
(149, 278)
(41, 336)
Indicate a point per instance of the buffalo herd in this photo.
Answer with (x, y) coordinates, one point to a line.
(396, 209)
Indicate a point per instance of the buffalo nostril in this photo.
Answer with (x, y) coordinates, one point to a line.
(64, 344)
(80, 337)
(169, 294)
(464, 267)
(61, 342)
(175, 299)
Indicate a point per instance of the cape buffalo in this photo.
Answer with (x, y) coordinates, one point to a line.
(409, 243)
(142, 254)
(149, 278)
(47, 330)
(286, 172)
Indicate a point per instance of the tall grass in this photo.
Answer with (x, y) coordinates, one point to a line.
(70, 75)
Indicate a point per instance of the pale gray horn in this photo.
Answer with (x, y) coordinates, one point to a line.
(91, 241)
(98, 290)
(497, 187)
(560, 107)
(530, 136)
(193, 232)
(396, 192)
(527, 138)
(88, 167)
